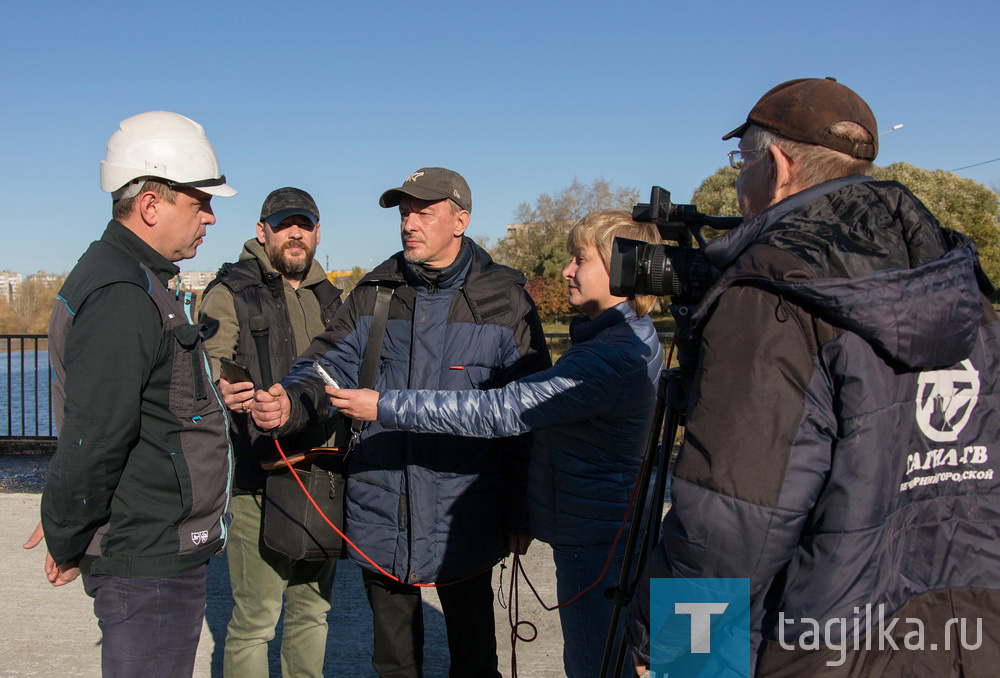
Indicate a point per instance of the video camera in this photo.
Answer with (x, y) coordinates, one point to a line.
(681, 272)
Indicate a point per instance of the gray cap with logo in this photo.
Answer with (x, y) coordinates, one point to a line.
(431, 183)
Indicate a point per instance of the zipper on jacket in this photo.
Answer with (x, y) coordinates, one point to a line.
(197, 366)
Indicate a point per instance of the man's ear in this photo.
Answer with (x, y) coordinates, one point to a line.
(781, 175)
(260, 232)
(462, 223)
(148, 207)
(317, 233)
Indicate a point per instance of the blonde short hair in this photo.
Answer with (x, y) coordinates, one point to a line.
(599, 229)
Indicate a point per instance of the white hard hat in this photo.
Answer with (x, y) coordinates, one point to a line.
(161, 145)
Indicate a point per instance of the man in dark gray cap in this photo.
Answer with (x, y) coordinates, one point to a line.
(845, 383)
(278, 277)
(424, 507)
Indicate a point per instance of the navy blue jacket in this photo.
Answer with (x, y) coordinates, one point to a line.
(432, 507)
(842, 437)
(591, 414)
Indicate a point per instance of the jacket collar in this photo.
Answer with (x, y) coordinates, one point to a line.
(391, 270)
(726, 248)
(121, 238)
(582, 328)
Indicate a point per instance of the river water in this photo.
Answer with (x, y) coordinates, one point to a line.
(25, 411)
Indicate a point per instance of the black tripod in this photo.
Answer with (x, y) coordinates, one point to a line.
(671, 405)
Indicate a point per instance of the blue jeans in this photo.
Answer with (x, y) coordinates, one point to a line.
(150, 627)
(585, 622)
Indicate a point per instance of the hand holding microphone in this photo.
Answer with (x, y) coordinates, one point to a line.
(271, 408)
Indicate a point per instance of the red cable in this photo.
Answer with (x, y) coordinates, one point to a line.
(516, 570)
(351, 543)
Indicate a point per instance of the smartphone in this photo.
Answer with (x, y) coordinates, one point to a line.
(325, 376)
(234, 372)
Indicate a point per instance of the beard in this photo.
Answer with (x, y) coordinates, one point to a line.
(285, 264)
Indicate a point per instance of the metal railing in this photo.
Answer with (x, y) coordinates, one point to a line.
(24, 374)
(26, 402)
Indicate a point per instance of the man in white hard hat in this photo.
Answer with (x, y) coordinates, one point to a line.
(139, 483)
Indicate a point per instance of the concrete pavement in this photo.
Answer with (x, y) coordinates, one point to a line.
(50, 631)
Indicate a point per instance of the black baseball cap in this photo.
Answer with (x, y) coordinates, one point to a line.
(431, 183)
(805, 110)
(284, 202)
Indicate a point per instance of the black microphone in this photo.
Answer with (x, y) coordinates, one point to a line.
(260, 330)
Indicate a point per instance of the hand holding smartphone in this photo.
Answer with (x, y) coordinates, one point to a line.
(325, 376)
(234, 372)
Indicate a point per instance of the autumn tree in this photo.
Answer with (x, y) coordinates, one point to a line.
(537, 245)
(958, 203)
(28, 312)
(550, 296)
(352, 280)
(717, 194)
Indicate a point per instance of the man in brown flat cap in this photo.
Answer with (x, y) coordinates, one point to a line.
(421, 507)
(840, 457)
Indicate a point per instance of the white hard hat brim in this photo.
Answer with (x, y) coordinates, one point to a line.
(223, 191)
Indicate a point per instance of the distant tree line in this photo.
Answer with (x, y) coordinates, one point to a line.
(958, 203)
(28, 312)
(537, 244)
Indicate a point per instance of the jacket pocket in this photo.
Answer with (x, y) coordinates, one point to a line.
(183, 485)
(202, 465)
(192, 394)
(468, 377)
(80, 472)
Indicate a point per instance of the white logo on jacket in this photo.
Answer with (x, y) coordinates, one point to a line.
(200, 537)
(951, 394)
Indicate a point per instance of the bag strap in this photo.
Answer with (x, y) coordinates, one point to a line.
(380, 317)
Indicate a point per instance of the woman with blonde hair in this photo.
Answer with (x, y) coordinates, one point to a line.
(591, 414)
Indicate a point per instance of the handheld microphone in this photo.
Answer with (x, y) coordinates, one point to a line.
(260, 330)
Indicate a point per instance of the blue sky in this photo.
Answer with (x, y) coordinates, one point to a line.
(346, 99)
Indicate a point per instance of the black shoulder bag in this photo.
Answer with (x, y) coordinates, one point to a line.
(292, 526)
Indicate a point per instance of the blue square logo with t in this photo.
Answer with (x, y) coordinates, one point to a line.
(700, 627)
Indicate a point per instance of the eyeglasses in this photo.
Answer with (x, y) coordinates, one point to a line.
(738, 157)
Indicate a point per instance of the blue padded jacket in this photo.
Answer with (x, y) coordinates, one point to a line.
(431, 508)
(591, 414)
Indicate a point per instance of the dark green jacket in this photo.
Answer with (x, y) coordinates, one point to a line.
(138, 486)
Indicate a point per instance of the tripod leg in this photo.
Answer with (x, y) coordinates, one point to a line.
(626, 583)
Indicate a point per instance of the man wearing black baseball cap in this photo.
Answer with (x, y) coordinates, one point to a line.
(426, 507)
(278, 277)
(845, 381)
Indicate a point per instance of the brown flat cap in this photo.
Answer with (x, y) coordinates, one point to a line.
(431, 183)
(805, 110)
